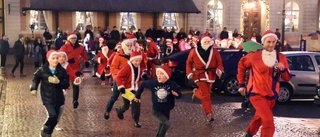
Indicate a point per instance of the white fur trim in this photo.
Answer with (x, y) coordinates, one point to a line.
(72, 36)
(52, 53)
(135, 57)
(189, 75)
(98, 75)
(77, 78)
(99, 60)
(134, 83)
(121, 86)
(105, 53)
(133, 39)
(269, 58)
(64, 65)
(148, 40)
(268, 35)
(164, 72)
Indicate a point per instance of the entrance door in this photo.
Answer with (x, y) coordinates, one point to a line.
(252, 18)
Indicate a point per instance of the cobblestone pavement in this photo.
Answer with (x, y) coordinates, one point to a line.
(22, 115)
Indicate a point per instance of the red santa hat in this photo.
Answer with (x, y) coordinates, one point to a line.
(71, 35)
(165, 70)
(64, 53)
(149, 39)
(50, 53)
(168, 40)
(101, 39)
(195, 38)
(131, 36)
(175, 40)
(269, 33)
(204, 39)
(135, 55)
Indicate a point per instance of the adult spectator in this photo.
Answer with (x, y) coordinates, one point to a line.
(115, 35)
(224, 34)
(139, 34)
(89, 31)
(4, 50)
(181, 35)
(151, 33)
(278, 33)
(47, 35)
(18, 55)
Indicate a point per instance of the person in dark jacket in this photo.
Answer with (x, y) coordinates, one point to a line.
(18, 54)
(224, 34)
(163, 92)
(4, 50)
(37, 51)
(89, 31)
(115, 35)
(58, 42)
(54, 79)
(151, 33)
(47, 35)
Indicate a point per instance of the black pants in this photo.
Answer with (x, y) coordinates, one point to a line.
(114, 97)
(135, 109)
(164, 123)
(103, 76)
(3, 59)
(19, 60)
(54, 112)
(95, 67)
(75, 89)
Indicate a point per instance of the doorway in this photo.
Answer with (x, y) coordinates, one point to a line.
(252, 18)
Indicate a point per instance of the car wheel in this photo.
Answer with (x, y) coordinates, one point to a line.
(285, 93)
(231, 86)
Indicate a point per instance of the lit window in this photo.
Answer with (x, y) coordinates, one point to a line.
(83, 19)
(169, 21)
(38, 19)
(127, 21)
(214, 15)
(292, 17)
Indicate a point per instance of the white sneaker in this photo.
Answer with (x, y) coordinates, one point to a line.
(58, 128)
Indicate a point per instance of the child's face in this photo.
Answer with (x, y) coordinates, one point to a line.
(136, 62)
(161, 77)
(53, 61)
(62, 58)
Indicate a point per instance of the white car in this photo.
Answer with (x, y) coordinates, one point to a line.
(304, 67)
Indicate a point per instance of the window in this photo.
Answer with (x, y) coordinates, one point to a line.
(214, 15)
(301, 63)
(127, 21)
(292, 17)
(83, 19)
(38, 19)
(169, 21)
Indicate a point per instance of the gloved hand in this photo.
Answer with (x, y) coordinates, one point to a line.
(122, 90)
(87, 64)
(71, 61)
(78, 74)
(144, 76)
(53, 79)
(33, 92)
(133, 91)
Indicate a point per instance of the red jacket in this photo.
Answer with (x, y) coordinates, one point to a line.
(213, 64)
(118, 61)
(71, 73)
(104, 62)
(125, 77)
(152, 51)
(261, 76)
(77, 53)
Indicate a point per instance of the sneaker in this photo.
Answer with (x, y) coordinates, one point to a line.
(94, 75)
(247, 135)
(137, 125)
(193, 97)
(58, 128)
(75, 104)
(209, 118)
(106, 115)
(103, 83)
(119, 114)
(23, 75)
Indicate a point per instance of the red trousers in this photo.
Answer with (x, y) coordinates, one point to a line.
(204, 94)
(152, 65)
(262, 117)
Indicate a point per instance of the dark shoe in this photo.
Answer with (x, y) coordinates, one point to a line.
(209, 118)
(247, 135)
(75, 104)
(119, 114)
(94, 75)
(193, 97)
(12, 75)
(106, 115)
(23, 75)
(137, 125)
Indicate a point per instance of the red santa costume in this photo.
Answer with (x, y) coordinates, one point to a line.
(263, 85)
(203, 64)
(72, 75)
(104, 63)
(169, 49)
(152, 53)
(195, 41)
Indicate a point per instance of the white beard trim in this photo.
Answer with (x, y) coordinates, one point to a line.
(269, 58)
(205, 47)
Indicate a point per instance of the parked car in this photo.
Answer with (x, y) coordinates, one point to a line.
(304, 67)
(228, 81)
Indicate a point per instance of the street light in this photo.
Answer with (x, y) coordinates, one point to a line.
(283, 23)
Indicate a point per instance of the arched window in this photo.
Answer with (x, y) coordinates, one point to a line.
(169, 21)
(292, 17)
(38, 20)
(214, 15)
(127, 21)
(83, 19)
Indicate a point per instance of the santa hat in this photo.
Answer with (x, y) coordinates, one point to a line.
(50, 53)
(135, 55)
(175, 40)
(64, 53)
(168, 40)
(101, 39)
(204, 39)
(131, 37)
(195, 38)
(71, 35)
(269, 33)
(149, 39)
(165, 70)
(168, 43)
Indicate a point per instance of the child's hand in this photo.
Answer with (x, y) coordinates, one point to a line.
(174, 93)
(53, 79)
(137, 100)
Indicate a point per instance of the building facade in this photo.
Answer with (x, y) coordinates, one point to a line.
(247, 16)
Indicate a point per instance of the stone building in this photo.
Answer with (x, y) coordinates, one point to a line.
(247, 16)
